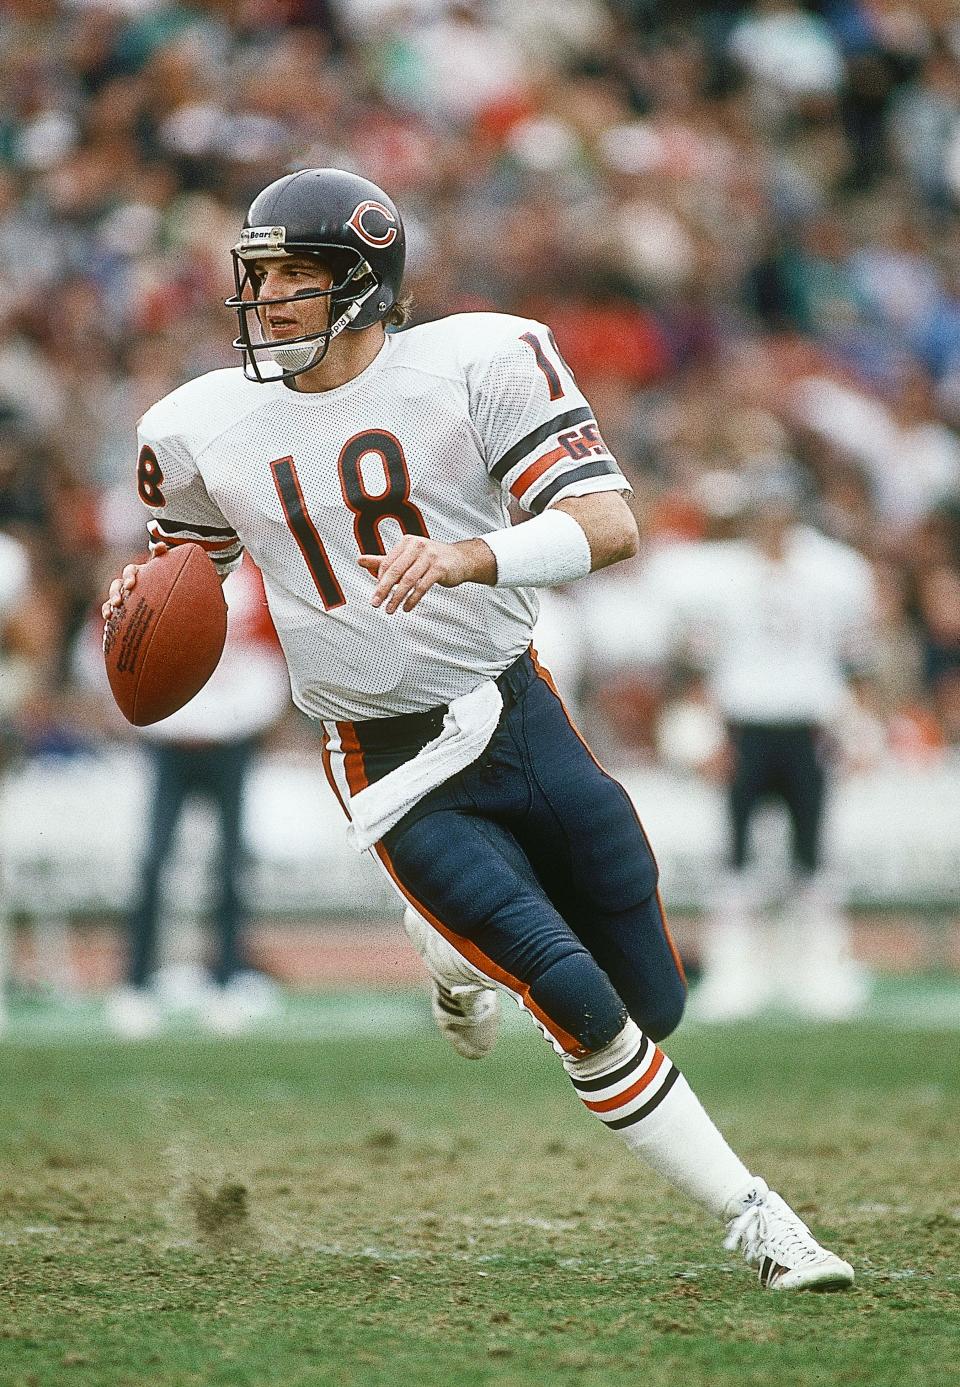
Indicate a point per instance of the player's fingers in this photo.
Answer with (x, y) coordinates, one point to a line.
(419, 590)
(128, 579)
(409, 581)
(115, 596)
(395, 565)
(378, 565)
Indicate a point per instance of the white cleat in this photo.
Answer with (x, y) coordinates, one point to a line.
(468, 1017)
(466, 1012)
(779, 1244)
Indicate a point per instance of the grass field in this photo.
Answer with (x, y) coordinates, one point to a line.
(364, 1209)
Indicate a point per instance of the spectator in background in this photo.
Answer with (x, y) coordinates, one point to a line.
(775, 618)
(937, 596)
(207, 749)
(18, 660)
(18, 654)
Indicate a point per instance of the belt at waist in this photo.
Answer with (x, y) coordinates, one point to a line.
(416, 729)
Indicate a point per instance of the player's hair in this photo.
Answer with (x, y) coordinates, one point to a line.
(401, 312)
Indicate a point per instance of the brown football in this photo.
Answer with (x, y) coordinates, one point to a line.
(164, 641)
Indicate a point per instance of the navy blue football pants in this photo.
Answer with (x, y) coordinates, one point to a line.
(533, 863)
(781, 761)
(217, 772)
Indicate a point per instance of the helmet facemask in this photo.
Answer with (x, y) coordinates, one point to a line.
(346, 298)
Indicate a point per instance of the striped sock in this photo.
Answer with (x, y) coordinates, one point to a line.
(638, 1093)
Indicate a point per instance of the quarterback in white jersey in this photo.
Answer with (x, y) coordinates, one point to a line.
(447, 423)
(369, 474)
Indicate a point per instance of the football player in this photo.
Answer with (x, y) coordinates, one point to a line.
(369, 473)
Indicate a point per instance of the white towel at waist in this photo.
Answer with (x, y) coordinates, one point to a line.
(469, 723)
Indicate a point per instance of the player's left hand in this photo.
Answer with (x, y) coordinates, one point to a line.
(411, 568)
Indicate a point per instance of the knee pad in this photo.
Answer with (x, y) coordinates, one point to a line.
(662, 1015)
(575, 992)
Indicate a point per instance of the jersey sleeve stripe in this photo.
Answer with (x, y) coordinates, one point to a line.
(176, 527)
(224, 554)
(537, 436)
(159, 535)
(205, 544)
(577, 474)
(536, 470)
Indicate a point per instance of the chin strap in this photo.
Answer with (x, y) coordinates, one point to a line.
(352, 312)
(303, 355)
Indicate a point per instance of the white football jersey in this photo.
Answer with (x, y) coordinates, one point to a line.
(451, 420)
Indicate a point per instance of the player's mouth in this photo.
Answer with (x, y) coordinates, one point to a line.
(284, 327)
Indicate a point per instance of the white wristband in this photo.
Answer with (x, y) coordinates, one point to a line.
(544, 552)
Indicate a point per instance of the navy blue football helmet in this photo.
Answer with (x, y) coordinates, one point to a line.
(352, 226)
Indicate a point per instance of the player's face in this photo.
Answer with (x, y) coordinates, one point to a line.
(284, 278)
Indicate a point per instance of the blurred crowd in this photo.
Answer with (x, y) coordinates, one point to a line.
(741, 221)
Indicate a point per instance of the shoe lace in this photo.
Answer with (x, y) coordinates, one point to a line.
(769, 1228)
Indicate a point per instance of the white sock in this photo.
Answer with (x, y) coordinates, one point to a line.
(635, 1090)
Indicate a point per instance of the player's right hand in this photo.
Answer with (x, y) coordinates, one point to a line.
(126, 583)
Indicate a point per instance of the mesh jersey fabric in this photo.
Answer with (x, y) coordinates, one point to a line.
(449, 421)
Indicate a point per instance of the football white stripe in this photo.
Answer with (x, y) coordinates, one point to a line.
(644, 1096)
(562, 465)
(601, 1095)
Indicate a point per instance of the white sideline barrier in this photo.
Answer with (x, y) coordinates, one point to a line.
(71, 833)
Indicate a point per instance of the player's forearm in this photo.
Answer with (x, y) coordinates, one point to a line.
(564, 543)
(608, 524)
(478, 562)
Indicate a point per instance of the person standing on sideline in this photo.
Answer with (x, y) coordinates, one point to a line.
(776, 617)
(206, 750)
(369, 473)
(17, 679)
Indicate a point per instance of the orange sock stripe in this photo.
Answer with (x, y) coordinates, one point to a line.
(486, 965)
(620, 1099)
(356, 771)
(545, 675)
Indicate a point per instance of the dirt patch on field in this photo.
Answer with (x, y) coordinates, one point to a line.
(222, 1216)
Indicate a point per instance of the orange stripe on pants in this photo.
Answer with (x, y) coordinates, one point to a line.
(469, 950)
(547, 678)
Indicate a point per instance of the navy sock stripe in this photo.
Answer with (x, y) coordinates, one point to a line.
(616, 1075)
(649, 1106)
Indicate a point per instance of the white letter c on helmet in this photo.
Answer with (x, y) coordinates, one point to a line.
(360, 213)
